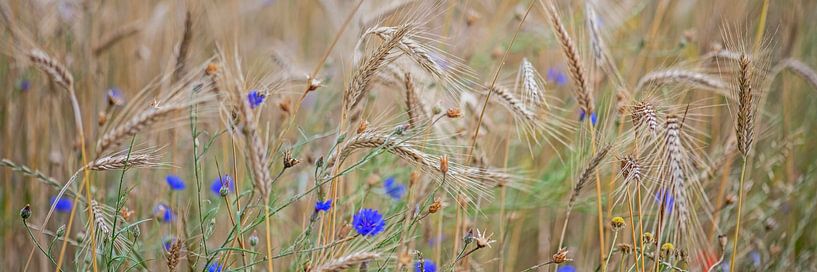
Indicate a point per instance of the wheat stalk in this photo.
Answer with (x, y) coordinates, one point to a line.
(577, 73)
(746, 109)
(52, 67)
(367, 68)
(681, 76)
(799, 68)
(136, 124)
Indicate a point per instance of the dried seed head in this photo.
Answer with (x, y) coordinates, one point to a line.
(25, 213)
(648, 238)
(667, 249)
(617, 223)
(284, 105)
(435, 206)
(313, 84)
(436, 110)
(630, 169)
(288, 160)
(624, 248)
(561, 256)
(254, 239)
(404, 258)
(483, 239)
(444, 164)
(722, 240)
(746, 107)
(211, 69)
(362, 126)
(730, 199)
(453, 113)
(102, 119)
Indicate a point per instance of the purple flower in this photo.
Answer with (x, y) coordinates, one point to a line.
(669, 201)
(425, 266)
(115, 97)
(393, 189)
(566, 268)
(24, 85)
(62, 204)
(592, 117)
(219, 182)
(368, 222)
(214, 267)
(175, 182)
(255, 98)
(556, 76)
(163, 213)
(323, 206)
(168, 242)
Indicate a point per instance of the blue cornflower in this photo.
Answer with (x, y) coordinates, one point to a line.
(115, 97)
(63, 204)
(566, 268)
(214, 267)
(368, 222)
(425, 266)
(669, 201)
(24, 85)
(556, 76)
(220, 182)
(163, 213)
(168, 242)
(725, 267)
(323, 206)
(393, 189)
(592, 117)
(255, 98)
(175, 182)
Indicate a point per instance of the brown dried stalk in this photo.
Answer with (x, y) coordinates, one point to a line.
(347, 261)
(583, 93)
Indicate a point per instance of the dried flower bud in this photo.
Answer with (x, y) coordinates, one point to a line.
(625, 248)
(126, 213)
(25, 212)
(722, 240)
(560, 256)
(102, 119)
(60, 231)
(647, 238)
(453, 113)
(435, 206)
(288, 160)
(362, 126)
(80, 237)
(313, 84)
(667, 249)
(730, 199)
(769, 224)
(617, 223)
(254, 239)
(135, 231)
(469, 237)
(444, 164)
(436, 110)
(284, 105)
(211, 69)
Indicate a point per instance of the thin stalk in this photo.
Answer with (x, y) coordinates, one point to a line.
(610, 253)
(740, 208)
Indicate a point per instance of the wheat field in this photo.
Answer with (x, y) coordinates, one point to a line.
(408, 135)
